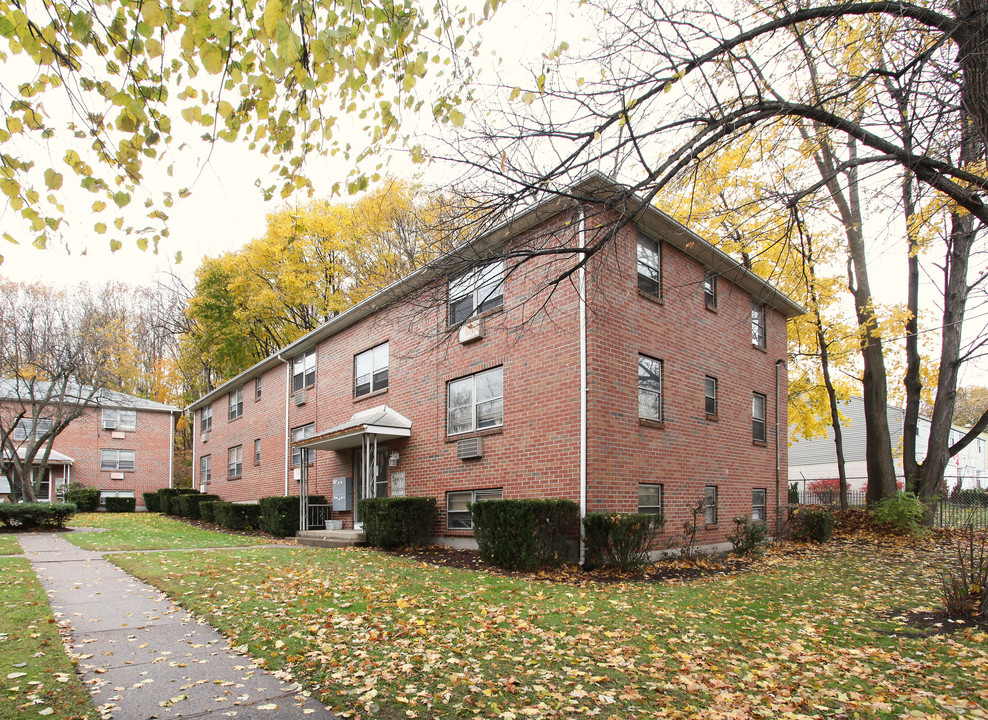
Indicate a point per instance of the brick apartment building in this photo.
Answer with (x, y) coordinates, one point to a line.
(651, 379)
(120, 444)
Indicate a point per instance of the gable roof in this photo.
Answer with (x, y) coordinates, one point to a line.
(18, 391)
(595, 187)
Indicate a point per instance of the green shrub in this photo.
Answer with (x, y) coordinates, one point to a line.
(620, 540)
(26, 516)
(206, 510)
(187, 505)
(396, 521)
(811, 524)
(167, 496)
(901, 513)
(85, 498)
(794, 493)
(152, 502)
(748, 537)
(524, 534)
(121, 504)
(279, 514)
(237, 516)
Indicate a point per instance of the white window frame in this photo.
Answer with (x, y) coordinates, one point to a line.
(205, 469)
(117, 460)
(759, 504)
(475, 292)
(26, 427)
(463, 498)
(206, 418)
(485, 412)
(649, 264)
(235, 462)
(650, 398)
(759, 336)
(236, 403)
(759, 426)
(710, 290)
(302, 432)
(650, 508)
(710, 400)
(370, 370)
(304, 370)
(710, 499)
(257, 451)
(257, 388)
(119, 419)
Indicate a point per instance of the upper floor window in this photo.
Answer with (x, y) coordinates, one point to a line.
(206, 419)
(205, 469)
(649, 267)
(237, 403)
(117, 419)
(649, 498)
(758, 417)
(257, 388)
(475, 402)
(304, 371)
(257, 451)
(649, 388)
(758, 337)
(370, 370)
(710, 396)
(479, 290)
(301, 433)
(26, 427)
(234, 462)
(117, 459)
(710, 290)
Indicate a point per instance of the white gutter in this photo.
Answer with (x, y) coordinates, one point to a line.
(582, 288)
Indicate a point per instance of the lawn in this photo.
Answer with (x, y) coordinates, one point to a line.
(376, 636)
(36, 676)
(9, 545)
(149, 531)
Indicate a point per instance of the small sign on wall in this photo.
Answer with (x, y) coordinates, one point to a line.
(398, 484)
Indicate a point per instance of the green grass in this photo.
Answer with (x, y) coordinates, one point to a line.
(9, 545)
(36, 676)
(149, 531)
(382, 637)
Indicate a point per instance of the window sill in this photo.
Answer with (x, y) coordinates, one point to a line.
(475, 433)
(234, 419)
(368, 396)
(235, 477)
(759, 443)
(651, 297)
(712, 417)
(710, 526)
(646, 422)
(710, 308)
(760, 348)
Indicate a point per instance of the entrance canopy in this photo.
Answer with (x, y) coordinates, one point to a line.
(54, 458)
(383, 422)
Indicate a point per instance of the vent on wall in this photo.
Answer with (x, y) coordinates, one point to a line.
(301, 397)
(469, 448)
(471, 331)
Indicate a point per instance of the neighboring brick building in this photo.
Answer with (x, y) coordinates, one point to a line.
(667, 384)
(121, 444)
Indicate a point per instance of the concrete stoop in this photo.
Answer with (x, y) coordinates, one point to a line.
(331, 538)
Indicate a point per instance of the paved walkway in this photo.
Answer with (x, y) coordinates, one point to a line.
(143, 657)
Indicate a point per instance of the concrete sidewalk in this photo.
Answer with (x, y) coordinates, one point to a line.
(143, 657)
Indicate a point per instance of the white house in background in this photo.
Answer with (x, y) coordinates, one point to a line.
(816, 458)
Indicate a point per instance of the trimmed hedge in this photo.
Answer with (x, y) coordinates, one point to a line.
(25, 516)
(166, 497)
(396, 521)
(121, 504)
(620, 540)
(85, 498)
(808, 523)
(279, 514)
(152, 502)
(187, 506)
(524, 534)
(206, 511)
(237, 516)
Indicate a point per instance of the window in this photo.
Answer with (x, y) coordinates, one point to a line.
(104, 494)
(257, 451)
(117, 460)
(257, 388)
(475, 402)
(304, 371)
(206, 419)
(649, 388)
(649, 267)
(234, 462)
(710, 396)
(710, 504)
(301, 433)
(758, 338)
(370, 370)
(458, 506)
(26, 427)
(758, 505)
(205, 469)
(758, 417)
(649, 499)
(115, 419)
(478, 291)
(710, 290)
(237, 403)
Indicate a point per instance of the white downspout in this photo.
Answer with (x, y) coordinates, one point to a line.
(288, 432)
(171, 451)
(582, 285)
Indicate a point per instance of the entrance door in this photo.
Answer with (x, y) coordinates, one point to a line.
(380, 486)
(44, 487)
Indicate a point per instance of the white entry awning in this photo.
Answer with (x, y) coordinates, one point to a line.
(382, 421)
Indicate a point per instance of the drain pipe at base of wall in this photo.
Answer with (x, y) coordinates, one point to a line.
(582, 283)
(778, 479)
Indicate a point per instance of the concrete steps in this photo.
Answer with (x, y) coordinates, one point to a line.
(331, 538)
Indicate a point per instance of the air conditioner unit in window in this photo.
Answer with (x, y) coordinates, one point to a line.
(471, 330)
(205, 437)
(109, 424)
(470, 448)
(301, 397)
